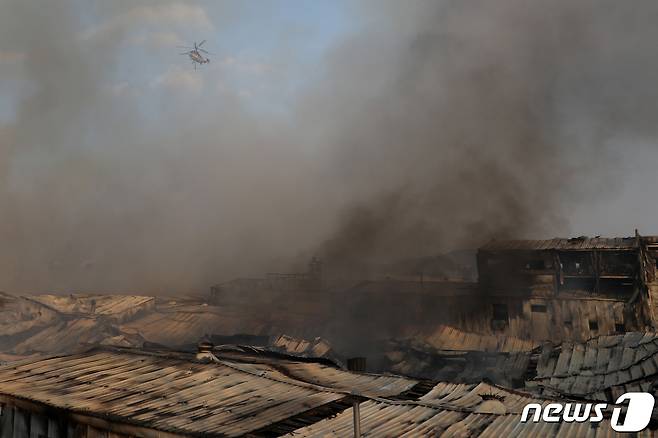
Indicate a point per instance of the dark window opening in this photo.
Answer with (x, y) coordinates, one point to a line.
(620, 328)
(500, 312)
(620, 287)
(568, 324)
(492, 261)
(500, 318)
(578, 284)
(535, 265)
(538, 308)
(593, 325)
(618, 263)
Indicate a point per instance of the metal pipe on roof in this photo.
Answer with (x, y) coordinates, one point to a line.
(356, 364)
(357, 419)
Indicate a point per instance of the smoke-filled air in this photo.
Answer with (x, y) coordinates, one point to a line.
(363, 134)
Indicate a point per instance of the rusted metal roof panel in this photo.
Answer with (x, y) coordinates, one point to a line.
(586, 243)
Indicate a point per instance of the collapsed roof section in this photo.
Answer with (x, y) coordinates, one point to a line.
(602, 368)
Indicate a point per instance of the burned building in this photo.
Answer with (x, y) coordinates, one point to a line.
(541, 290)
(569, 289)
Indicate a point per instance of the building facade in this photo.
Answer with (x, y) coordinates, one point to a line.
(569, 289)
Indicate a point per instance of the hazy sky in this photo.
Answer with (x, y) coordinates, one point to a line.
(264, 52)
(355, 130)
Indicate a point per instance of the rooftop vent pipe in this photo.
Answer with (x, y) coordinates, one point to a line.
(356, 364)
(204, 352)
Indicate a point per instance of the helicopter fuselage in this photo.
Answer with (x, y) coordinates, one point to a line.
(196, 57)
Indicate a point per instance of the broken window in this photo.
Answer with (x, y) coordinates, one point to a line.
(617, 287)
(593, 325)
(576, 263)
(578, 284)
(538, 308)
(615, 264)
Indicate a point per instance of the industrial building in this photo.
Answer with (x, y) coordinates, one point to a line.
(569, 289)
(539, 290)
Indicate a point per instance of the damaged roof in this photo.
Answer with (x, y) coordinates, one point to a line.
(576, 243)
(256, 395)
(445, 337)
(602, 368)
(93, 304)
(173, 392)
(469, 412)
(474, 396)
(448, 353)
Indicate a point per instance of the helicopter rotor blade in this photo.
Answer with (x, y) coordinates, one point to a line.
(205, 51)
(201, 43)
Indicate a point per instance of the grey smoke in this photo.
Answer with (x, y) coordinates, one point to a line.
(489, 119)
(437, 125)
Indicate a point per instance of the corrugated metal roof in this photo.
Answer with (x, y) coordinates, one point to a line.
(562, 244)
(162, 392)
(321, 374)
(411, 420)
(69, 335)
(472, 396)
(587, 369)
(454, 355)
(174, 392)
(239, 396)
(93, 304)
(179, 325)
(318, 347)
(380, 419)
(463, 367)
(450, 338)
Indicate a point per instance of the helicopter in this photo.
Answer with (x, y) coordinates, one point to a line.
(195, 54)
